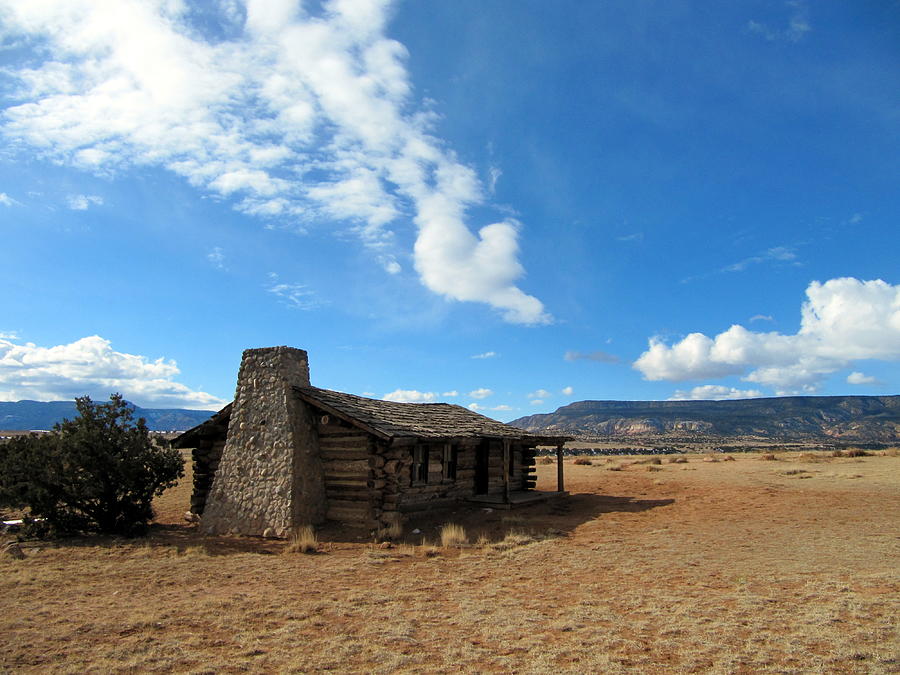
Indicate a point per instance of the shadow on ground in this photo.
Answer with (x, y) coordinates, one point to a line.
(558, 517)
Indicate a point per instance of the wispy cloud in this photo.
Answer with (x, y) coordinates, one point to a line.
(217, 258)
(307, 117)
(634, 237)
(9, 335)
(760, 317)
(599, 356)
(774, 254)
(6, 200)
(485, 355)
(796, 28)
(91, 366)
(295, 296)
(83, 202)
(483, 392)
(540, 393)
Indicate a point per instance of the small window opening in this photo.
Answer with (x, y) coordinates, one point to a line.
(420, 464)
(451, 458)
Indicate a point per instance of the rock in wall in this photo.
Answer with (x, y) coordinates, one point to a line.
(269, 479)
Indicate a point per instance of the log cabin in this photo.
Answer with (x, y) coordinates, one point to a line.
(285, 454)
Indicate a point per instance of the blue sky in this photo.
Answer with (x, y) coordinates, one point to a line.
(506, 204)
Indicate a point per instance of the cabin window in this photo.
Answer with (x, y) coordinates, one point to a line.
(420, 464)
(451, 458)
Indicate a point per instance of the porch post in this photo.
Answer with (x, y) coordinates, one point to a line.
(560, 483)
(506, 469)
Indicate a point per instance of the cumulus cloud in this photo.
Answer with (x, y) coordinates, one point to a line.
(857, 377)
(540, 393)
(497, 408)
(567, 391)
(599, 356)
(480, 393)
(411, 396)
(842, 320)
(537, 401)
(485, 355)
(714, 392)
(451, 393)
(91, 366)
(287, 112)
(83, 202)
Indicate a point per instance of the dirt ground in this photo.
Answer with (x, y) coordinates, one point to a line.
(745, 566)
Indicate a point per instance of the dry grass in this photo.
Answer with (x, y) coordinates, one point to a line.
(302, 540)
(546, 460)
(721, 568)
(583, 461)
(453, 535)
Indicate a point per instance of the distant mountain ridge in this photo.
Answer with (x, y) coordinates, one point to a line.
(853, 418)
(28, 415)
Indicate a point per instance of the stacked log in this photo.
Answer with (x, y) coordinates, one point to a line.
(206, 459)
(529, 476)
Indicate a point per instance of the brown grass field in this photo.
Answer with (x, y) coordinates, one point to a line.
(745, 566)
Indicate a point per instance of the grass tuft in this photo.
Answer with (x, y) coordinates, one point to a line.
(303, 540)
(453, 535)
(583, 461)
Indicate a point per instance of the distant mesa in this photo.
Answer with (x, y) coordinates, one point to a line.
(849, 418)
(25, 415)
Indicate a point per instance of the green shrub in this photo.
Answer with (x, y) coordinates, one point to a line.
(98, 472)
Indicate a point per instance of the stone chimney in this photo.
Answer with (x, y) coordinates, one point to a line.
(270, 476)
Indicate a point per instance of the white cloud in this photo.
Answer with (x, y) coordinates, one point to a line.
(6, 200)
(567, 391)
(9, 335)
(83, 202)
(410, 396)
(540, 393)
(714, 392)
(451, 393)
(761, 317)
(537, 401)
(842, 320)
(296, 115)
(485, 355)
(775, 254)
(295, 296)
(480, 393)
(217, 257)
(857, 377)
(90, 366)
(497, 408)
(798, 25)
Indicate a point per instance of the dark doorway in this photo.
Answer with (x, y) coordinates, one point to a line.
(482, 461)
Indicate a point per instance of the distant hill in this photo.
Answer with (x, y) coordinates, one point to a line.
(24, 415)
(852, 418)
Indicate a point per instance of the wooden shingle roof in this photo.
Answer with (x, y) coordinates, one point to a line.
(388, 419)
